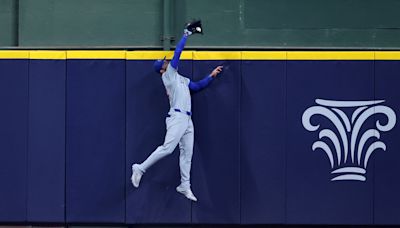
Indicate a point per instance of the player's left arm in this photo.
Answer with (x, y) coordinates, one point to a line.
(191, 28)
(178, 50)
(196, 86)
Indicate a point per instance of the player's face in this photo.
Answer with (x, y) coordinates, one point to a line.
(165, 65)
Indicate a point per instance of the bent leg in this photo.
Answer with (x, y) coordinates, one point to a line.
(175, 129)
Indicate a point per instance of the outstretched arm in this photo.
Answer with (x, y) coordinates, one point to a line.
(196, 86)
(178, 51)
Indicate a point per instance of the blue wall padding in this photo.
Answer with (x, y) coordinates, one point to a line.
(95, 152)
(311, 197)
(216, 159)
(46, 151)
(156, 201)
(13, 139)
(262, 133)
(387, 186)
(71, 129)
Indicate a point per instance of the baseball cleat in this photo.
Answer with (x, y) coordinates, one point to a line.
(187, 193)
(136, 175)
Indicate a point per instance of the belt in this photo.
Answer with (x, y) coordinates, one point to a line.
(186, 112)
(178, 110)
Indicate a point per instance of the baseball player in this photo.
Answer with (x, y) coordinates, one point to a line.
(179, 122)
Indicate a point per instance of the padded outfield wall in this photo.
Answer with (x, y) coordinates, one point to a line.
(240, 24)
(280, 138)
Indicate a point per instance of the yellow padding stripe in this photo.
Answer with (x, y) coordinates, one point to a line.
(151, 55)
(14, 54)
(387, 55)
(264, 55)
(48, 55)
(331, 55)
(96, 54)
(211, 55)
(204, 55)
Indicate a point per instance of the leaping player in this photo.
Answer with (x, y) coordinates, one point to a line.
(179, 122)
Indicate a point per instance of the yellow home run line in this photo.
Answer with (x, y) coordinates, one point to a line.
(14, 54)
(48, 55)
(203, 55)
(387, 55)
(96, 54)
(331, 55)
(152, 55)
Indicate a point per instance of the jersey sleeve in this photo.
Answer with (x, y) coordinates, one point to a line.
(199, 85)
(178, 52)
(171, 73)
(187, 81)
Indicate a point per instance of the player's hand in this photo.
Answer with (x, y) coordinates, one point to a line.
(187, 32)
(216, 71)
(193, 27)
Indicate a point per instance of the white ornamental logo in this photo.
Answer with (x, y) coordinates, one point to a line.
(351, 152)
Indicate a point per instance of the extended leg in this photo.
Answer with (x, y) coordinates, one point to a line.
(186, 153)
(176, 127)
(185, 162)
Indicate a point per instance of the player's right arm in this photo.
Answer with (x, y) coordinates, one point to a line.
(199, 85)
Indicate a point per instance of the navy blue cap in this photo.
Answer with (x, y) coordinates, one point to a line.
(158, 65)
